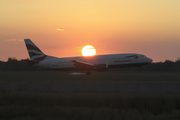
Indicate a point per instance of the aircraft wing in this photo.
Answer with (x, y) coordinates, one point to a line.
(90, 66)
(83, 65)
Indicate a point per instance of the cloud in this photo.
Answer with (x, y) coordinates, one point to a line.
(13, 40)
(60, 29)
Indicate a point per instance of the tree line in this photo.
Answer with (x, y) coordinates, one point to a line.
(22, 65)
(17, 65)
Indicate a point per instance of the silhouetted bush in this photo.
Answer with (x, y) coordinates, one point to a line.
(15, 65)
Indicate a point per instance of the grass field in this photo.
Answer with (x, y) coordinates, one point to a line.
(55, 76)
(101, 96)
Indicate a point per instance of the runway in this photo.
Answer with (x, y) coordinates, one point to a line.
(121, 83)
(94, 87)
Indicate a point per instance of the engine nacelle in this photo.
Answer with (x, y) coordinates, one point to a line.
(101, 67)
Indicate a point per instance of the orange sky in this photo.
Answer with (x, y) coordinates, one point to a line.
(149, 27)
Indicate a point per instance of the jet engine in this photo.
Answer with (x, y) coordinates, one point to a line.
(101, 67)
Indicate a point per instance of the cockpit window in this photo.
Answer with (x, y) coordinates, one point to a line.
(143, 56)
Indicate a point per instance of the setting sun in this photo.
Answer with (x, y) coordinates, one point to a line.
(88, 50)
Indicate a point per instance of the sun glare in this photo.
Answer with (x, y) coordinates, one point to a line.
(88, 50)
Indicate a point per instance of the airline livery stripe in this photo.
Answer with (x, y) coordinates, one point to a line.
(32, 47)
(40, 58)
(37, 56)
(135, 56)
(34, 51)
(33, 54)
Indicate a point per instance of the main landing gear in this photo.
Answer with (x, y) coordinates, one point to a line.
(88, 73)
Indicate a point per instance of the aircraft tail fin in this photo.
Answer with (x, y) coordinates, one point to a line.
(34, 52)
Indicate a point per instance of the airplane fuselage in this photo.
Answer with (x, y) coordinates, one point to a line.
(111, 61)
(97, 62)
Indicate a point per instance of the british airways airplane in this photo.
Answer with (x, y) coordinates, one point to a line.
(87, 63)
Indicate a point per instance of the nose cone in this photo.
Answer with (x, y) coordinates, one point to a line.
(150, 60)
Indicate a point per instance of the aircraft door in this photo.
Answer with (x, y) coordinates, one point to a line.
(136, 59)
(49, 65)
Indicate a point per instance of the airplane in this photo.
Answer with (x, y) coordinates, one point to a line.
(84, 63)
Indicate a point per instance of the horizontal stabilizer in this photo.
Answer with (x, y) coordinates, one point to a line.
(31, 63)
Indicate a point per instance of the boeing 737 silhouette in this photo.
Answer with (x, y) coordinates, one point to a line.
(87, 63)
